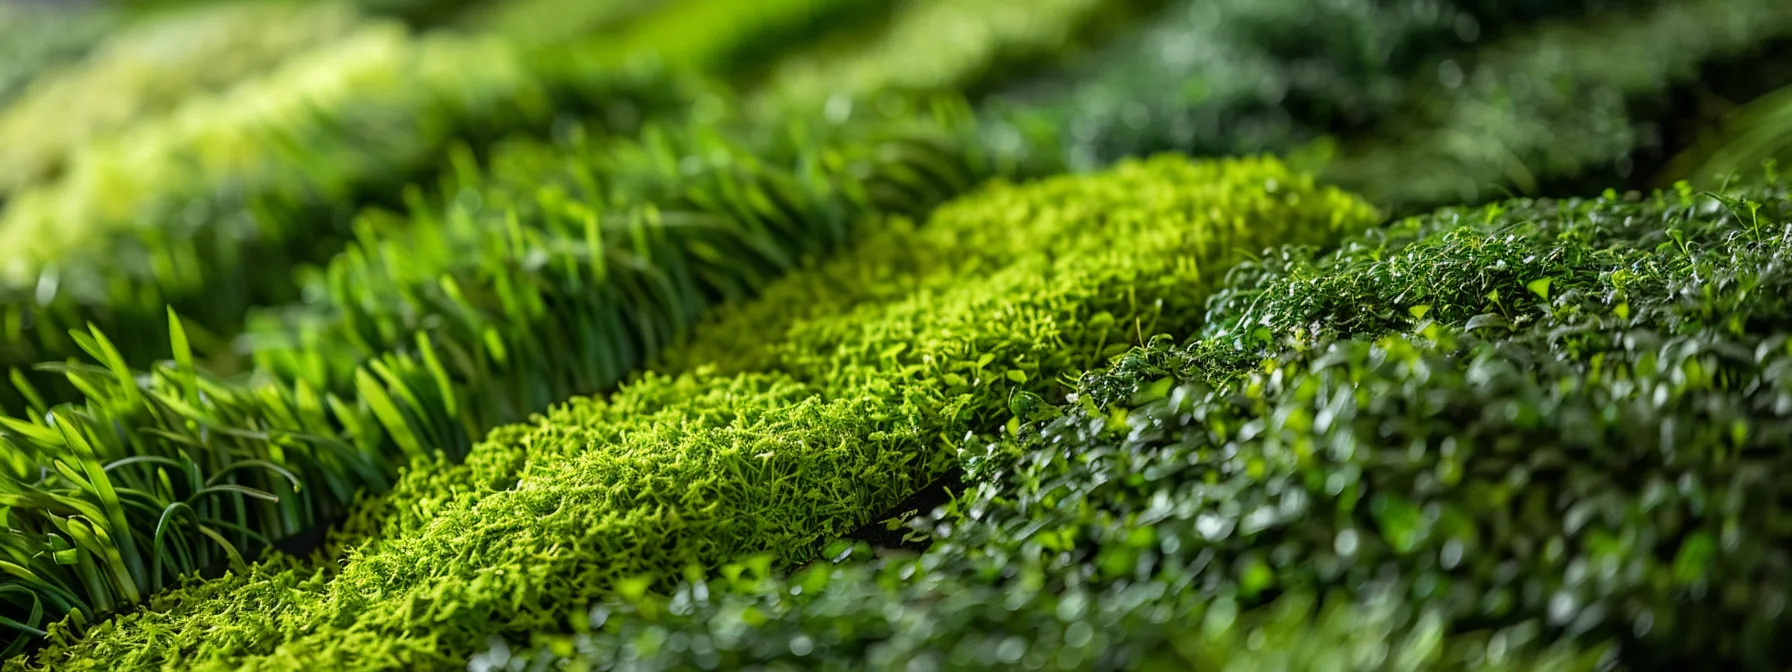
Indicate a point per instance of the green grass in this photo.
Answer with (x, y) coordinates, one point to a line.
(1539, 435)
(211, 207)
(832, 415)
(576, 264)
(239, 189)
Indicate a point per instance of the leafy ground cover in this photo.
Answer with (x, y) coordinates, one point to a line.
(1539, 435)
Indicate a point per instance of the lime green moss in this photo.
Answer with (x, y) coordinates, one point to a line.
(999, 296)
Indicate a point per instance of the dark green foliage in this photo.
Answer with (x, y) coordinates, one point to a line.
(1546, 435)
(805, 432)
(1562, 102)
(1241, 76)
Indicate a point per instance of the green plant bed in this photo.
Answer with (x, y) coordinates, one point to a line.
(801, 429)
(565, 305)
(1539, 435)
(270, 191)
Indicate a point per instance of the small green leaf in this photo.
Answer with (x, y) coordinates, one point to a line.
(1540, 287)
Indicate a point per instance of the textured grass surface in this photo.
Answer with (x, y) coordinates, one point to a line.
(809, 438)
(211, 207)
(576, 264)
(1541, 435)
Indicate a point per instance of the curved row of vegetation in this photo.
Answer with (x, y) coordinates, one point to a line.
(535, 200)
(584, 256)
(847, 412)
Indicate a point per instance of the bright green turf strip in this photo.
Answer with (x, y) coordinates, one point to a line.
(1535, 434)
(1005, 292)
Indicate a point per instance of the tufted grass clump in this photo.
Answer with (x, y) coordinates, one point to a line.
(796, 417)
(1538, 435)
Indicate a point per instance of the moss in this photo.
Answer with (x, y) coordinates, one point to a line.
(710, 465)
